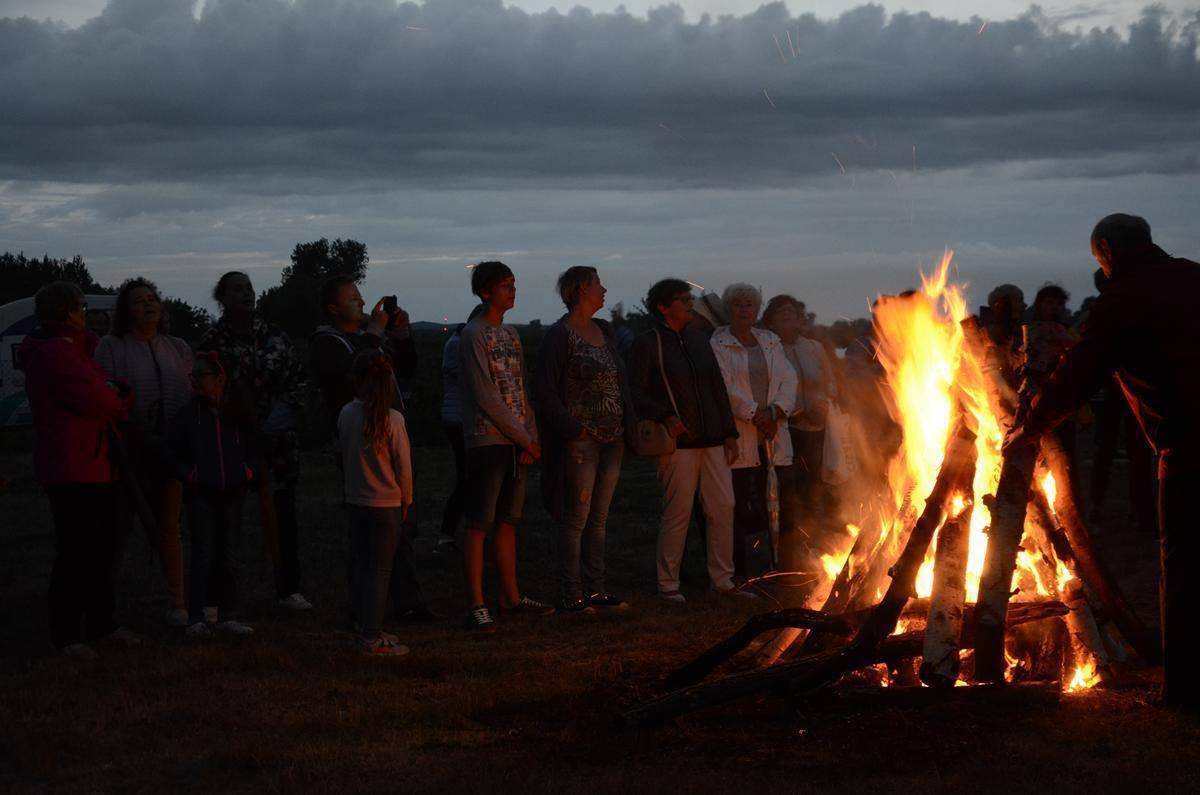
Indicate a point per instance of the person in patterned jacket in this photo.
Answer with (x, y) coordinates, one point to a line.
(267, 382)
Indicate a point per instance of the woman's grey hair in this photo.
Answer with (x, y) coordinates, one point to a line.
(741, 290)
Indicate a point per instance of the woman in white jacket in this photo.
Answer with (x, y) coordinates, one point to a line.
(762, 392)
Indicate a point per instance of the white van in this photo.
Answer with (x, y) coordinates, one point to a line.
(17, 320)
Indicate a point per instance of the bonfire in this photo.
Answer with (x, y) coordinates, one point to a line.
(971, 566)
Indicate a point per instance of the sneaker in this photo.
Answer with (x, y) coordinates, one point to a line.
(201, 629)
(528, 607)
(177, 617)
(210, 614)
(576, 605)
(604, 599)
(123, 637)
(295, 602)
(235, 628)
(383, 646)
(481, 618)
(418, 615)
(445, 546)
(80, 651)
(672, 597)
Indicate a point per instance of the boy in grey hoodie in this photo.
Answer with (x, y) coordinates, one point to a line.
(500, 436)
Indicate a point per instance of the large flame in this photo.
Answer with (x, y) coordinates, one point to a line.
(931, 370)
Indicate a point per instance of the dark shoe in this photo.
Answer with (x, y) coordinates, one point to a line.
(528, 607)
(481, 618)
(576, 605)
(417, 615)
(445, 546)
(602, 599)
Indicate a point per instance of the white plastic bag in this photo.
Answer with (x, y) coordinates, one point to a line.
(838, 463)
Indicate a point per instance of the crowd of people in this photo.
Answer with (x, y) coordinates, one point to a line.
(736, 402)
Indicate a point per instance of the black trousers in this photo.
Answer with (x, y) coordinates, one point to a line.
(1179, 599)
(1112, 414)
(287, 576)
(452, 514)
(82, 598)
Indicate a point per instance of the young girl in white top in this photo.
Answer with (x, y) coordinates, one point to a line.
(378, 480)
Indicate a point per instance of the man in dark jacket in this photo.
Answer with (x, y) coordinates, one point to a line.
(331, 350)
(332, 347)
(684, 390)
(1145, 328)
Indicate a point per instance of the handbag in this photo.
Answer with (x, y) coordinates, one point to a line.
(653, 438)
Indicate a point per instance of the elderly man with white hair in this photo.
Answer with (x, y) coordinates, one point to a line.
(762, 392)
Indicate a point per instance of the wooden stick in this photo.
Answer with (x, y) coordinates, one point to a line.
(1092, 569)
(700, 667)
(995, 581)
(758, 680)
(943, 628)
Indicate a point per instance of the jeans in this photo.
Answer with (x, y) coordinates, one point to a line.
(1179, 600)
(591, 470)
(82, 597)
(374, 536)
(214, 518)
(683, 474)
(453, 513)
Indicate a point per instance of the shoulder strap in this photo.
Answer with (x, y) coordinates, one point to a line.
(663, 372)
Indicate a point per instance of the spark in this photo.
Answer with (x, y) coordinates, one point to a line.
(768, 96)
(473, 266)
(839, 162)
(414, 27)
(789, 35)
(982, 28)
(781, 58)
(914, 159)
(893, 175)
(697, 285)
(670, 130)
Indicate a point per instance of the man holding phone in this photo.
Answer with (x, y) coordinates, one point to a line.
(347, 330)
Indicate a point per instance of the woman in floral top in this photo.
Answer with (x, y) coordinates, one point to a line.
(587, 416)
(267, 384)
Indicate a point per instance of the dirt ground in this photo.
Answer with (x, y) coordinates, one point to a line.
(529, 708)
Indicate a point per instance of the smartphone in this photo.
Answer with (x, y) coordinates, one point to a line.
(390, 304)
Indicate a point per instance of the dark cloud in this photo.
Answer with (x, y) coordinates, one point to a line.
(267, 96)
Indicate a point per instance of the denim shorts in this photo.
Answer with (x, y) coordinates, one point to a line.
(495, 485)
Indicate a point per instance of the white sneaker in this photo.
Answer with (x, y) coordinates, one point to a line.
(672, 597)
(296, 602)
(177, 617)
(210, 614)
(201, 629)
(80, 651)
(236, 628)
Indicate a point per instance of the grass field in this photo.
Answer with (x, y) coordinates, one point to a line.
(528, 708)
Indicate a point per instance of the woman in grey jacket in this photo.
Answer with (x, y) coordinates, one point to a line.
(157, 366)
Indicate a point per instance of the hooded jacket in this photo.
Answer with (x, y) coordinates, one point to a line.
(1144, 328)
(73, 406)
(696, 382)
(208, 449)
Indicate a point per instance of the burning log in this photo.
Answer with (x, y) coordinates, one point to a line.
(995, 581)
(943, 628)
(1087, 645)
(813, 620)
(1092, 569)
(805, 670)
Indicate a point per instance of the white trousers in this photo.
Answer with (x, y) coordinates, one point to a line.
(682, 474)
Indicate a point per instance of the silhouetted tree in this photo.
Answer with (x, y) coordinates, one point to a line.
(187, 321)
(292, 305)
(20, 277)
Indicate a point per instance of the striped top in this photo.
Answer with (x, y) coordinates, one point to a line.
(157, 369)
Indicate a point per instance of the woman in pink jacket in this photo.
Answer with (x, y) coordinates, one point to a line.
(74, 403)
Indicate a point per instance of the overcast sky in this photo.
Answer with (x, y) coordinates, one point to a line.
(828, 156)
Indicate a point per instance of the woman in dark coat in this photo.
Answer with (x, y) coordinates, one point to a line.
(587, 418)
